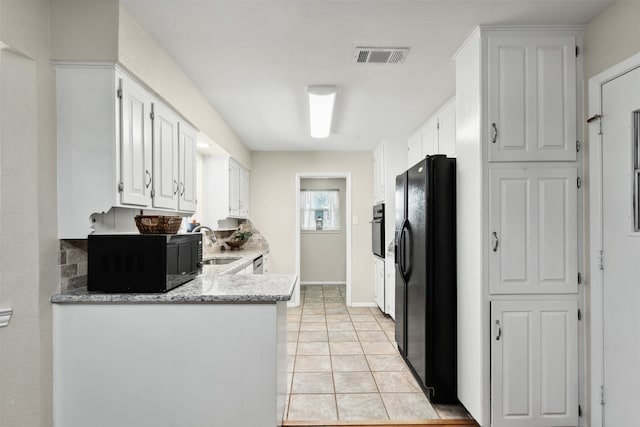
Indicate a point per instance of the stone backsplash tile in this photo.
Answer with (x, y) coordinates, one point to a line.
(73, 264)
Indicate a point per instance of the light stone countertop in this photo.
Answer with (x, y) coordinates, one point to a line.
(216, 284)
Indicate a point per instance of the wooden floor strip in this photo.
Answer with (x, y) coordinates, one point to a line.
(424, 423)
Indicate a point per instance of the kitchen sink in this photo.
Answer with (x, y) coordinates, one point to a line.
(219, 261)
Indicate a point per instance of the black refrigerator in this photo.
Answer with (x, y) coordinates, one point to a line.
(425, 258)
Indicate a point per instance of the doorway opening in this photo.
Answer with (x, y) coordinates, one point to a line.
(323, 231)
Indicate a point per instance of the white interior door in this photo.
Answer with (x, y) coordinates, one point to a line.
(621, 245)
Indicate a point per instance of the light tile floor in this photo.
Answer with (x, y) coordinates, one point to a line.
(344, 364)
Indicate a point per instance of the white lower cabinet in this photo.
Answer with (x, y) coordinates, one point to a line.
(534, 363)
(390, 286)
(184, 365)
(379, 282)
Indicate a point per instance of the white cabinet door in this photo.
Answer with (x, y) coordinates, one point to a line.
(390, 286)
(531, 98)
(234, 188)
(135, 144)
(533, 244)
(447, 130)
(534, 363)
(378, 173)
(414, 146)
(165, 157)
(429, 137)
(244, 193)
(187, 163)
(379, 282)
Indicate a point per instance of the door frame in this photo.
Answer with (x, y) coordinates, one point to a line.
(596, 287)
(304, 175)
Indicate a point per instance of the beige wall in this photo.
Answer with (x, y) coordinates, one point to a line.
(103, 30)
(84, 30)
(323, 255)
(28, 244)
(273, 207)
(141, 54)
(611, 37)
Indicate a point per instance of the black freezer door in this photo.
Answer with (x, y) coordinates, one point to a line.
(400, 286)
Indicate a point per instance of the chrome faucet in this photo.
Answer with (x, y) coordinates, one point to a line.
(207, 232)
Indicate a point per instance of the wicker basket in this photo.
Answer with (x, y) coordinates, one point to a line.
(158, 224)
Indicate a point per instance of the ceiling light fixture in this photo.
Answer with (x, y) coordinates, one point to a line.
(321, 100)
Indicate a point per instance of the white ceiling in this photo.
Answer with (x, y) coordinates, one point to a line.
(254, 59)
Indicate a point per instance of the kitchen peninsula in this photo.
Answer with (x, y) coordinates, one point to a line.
(211, 352)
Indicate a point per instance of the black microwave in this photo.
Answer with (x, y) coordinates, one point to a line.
(142, 263)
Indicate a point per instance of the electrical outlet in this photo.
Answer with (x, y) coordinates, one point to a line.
(355, 220)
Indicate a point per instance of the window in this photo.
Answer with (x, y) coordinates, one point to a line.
(320, 209)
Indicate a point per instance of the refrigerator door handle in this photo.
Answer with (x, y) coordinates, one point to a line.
(402, 250)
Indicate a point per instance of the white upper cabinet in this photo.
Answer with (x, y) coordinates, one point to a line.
(135, 143)
(447, 129)
(414, 146)
(378, 174)
(429, 136)
(165, 157)
(187, 168)
(112, 151)
(534, 363)
(531, 98)
(244, 193)
(436, 136)
(532, 222)
(226, 189)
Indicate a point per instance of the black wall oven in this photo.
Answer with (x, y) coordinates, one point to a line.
(377, 230)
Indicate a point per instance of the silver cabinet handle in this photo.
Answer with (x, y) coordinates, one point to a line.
(148, 174)
(175, 183)
(499, 331)
(495, 242)
(181, 189)
(494, 133)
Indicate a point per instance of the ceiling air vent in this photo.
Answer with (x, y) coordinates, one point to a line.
(381, 55)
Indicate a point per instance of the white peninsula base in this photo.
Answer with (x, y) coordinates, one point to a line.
(170, 365)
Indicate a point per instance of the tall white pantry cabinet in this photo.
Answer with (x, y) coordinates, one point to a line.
(517, 103)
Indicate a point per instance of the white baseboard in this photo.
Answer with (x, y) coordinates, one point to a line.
(364, 304)
(323, 283)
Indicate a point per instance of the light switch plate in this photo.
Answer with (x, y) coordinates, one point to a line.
(356, 220)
